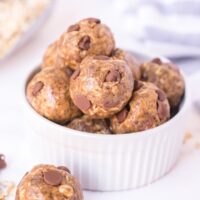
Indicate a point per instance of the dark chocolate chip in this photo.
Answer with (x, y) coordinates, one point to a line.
(161, 95)
(101, 57)
(93, 20)
(121, 116)
(157, 61)
(75, 74)
(74, 27)
(2, 161)
(163, 111)
(53, 177)
(84, 43)
(113, 76)
(37, 87)
(82, 102)
(64, 168)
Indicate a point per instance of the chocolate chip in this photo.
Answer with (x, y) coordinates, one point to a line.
(157, 61)
(37, 87)
(161, 95)
(121, 116)
(84, 43)
(82, 102)
(53, 177)
(69, 72)
(93, 20)
(76, 74)
(163, 111)
(74, 27)
(64, 168)
(101, 57)
(2, 161)
(112, 76)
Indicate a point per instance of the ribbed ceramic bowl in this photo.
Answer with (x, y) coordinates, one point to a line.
(108, 162)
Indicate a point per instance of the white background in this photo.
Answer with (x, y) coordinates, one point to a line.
(184, 180)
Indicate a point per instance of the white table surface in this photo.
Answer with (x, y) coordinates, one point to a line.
(182, 183)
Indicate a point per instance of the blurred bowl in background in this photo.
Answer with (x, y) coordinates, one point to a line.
(32, 29)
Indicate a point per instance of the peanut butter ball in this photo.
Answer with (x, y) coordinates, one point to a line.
(167, 77)
(130, 59)
(48, 94)
(87, 37)
(47, 182)
(147, 109)
(87, 124)
(51, 57)
(101, 86)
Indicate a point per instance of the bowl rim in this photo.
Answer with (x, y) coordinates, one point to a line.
(139, 134)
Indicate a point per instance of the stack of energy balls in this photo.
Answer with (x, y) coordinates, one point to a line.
(88, 84)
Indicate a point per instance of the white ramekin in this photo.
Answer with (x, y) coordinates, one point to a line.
(108, 162)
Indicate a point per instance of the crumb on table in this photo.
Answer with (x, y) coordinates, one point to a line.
(6, 189)
(187, 136)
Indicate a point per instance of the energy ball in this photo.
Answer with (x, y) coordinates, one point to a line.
(130, 59)
(87, 124)
(51, 57)
(101, 86)
(167, 77)
(87, 37)
(47, 182)
(147, 109)
(48, 94)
